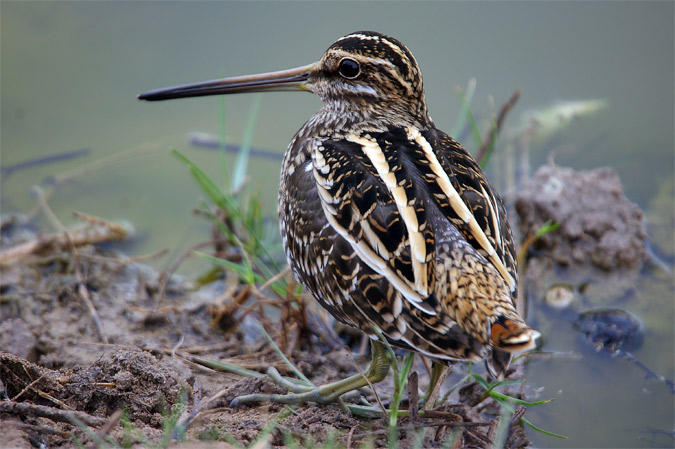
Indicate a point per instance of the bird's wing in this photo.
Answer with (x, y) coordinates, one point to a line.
(373, 188)
(481, 218)
(369, 198)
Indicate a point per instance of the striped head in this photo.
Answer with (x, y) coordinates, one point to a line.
(364, 77)
(373, 74)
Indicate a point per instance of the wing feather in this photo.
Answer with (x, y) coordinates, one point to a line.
(487, 230)
(367, 205)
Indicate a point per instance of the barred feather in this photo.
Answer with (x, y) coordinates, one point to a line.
(390, 223)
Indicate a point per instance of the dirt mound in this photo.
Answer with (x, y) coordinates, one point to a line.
(598, 224)
(133, 380)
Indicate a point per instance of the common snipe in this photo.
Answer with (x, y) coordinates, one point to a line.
(387, 220)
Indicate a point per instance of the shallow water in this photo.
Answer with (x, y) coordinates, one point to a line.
(71, 71)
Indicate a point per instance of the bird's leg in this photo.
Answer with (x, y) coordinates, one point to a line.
(439, 371)
(377, 371)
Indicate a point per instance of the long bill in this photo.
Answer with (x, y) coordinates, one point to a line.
(283, 80)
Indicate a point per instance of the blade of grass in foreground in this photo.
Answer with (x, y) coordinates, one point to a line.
(210, 188)
(508, 401)
(241, 166)
(232, 207)
(222, 146)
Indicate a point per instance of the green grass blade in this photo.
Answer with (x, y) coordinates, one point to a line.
(283, 357)
(219, 365)
(465, 109)
(205, 182)
(244, 270)
(247, 216)
(508, 407)
(241, 166)
(210, 188)
(407, 365)
(222, 128)
(493, 138)
(540, 430)
(481, 381)
(513, 400)
(507, 402)
(547, 227)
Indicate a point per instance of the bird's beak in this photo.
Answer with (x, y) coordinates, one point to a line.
(284, 80)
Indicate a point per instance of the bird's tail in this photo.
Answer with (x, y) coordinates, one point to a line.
(508, 336)
(512, 335)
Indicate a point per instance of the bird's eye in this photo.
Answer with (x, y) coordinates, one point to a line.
(349, 68)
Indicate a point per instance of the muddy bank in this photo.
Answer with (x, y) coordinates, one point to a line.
(595, 255)
(88, 335)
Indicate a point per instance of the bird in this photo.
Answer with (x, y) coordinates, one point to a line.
(388, 221)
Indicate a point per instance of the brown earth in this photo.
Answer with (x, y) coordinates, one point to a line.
(599, 226)
(599, 247)
(93, 345)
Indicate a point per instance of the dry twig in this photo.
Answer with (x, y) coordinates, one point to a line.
(413, 397)
(497, 125)
(55, 414)
(165, 276)
(107, 427)
(99, 231)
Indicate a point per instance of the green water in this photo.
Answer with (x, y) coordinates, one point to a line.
(70, 72)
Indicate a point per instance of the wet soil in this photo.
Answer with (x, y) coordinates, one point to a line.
(594, 258)
(599, 226)
(94, 345)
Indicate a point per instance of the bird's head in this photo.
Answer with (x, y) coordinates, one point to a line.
(371, 73)
(365, 75)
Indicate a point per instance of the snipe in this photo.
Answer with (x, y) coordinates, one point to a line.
(387, 220)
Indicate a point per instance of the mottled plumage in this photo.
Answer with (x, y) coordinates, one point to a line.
(387, 220)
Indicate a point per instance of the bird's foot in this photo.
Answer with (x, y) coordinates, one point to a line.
(325, 394)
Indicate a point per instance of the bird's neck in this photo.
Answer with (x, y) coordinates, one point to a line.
(338, 117)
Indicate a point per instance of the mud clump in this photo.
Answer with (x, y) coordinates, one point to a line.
(16, 374)
(599, 226)
(134, 380)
